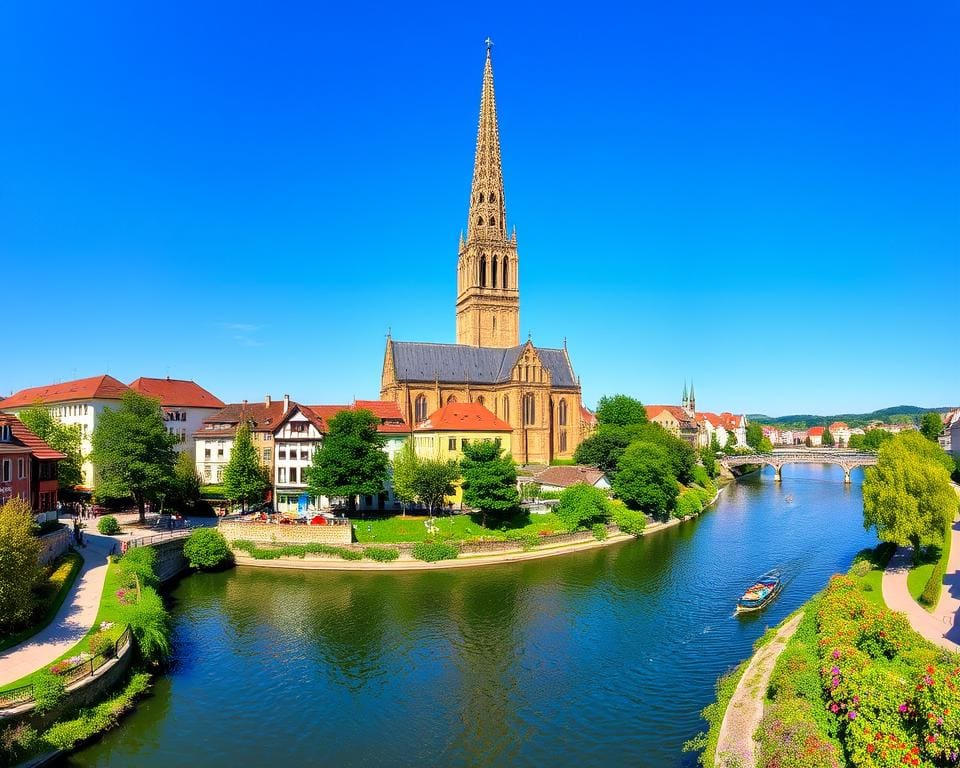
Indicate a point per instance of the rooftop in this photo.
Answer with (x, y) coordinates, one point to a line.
(463, 417)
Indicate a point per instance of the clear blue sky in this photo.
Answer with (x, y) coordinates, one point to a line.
(757, 196)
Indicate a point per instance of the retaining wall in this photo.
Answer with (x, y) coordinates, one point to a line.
(271, 533)
(53, 545)
(170, 560)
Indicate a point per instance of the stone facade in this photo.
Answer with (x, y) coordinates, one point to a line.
(270, 533)
(53, 545)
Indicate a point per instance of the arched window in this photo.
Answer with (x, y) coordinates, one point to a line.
(493, 272)
(503, 283)
(483, 271)
(562, 414)
(491, 221)
(506, 408)
(451, 399)
(563, 441)
(481, 197)
(480, 220)
(420, 409)
(529, 409)
(493, 197)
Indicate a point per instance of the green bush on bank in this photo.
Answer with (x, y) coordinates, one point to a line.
(931, 590)
(431, 552)
(381, 554)
(48, 691)
(108, 525)
(628, 521)
(688, 505)
(295, 550)
(206, 549)
(599, 531)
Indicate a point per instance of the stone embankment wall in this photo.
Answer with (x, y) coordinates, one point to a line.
(170, 560)
(271, 533)
(53, 545)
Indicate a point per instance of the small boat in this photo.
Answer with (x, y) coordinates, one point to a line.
(761, 593)
(789, 499)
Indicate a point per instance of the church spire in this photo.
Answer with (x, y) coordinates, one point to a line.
(487, 219)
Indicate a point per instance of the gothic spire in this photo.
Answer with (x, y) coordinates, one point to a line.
(488, 214)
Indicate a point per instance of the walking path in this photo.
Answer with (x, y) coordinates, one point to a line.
(940, 626)
(74, 619)
(735, 744)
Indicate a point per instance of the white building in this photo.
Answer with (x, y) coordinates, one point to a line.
(185, 406)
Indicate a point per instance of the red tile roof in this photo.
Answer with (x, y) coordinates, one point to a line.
(30, 441)
(674, 410)
(815, 431)
(96, 387)
(265, 418)
(176, 392)
(463, 417)
(564, 477)
(589, 417)
(838, 425)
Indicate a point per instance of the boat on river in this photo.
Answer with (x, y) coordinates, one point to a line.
(762, 593)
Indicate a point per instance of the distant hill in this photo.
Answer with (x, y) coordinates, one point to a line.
(898, 414)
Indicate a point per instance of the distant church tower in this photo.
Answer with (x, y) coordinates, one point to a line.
(488, 293)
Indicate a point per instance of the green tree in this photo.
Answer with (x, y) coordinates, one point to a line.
(645, 480)
(185, 488)
(489, 480)
(874, 438)
(765, 446)
(827, 440)
(351, 461)
(133, 452)
(855, 443)
(931, 425)
(754, 435)
(714, 443)
(19, 563)
(603, 449)
(907, 496)
(433, 481)
(206, 548)
(581, 505)
(66, 438)
(405, 465)
(731, 445)
(709, 459)
(245, 479)
(620, 411)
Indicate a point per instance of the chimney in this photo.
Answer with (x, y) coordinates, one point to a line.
(286, 403)
(267, 401)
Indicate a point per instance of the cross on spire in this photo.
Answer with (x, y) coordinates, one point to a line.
(489, 43)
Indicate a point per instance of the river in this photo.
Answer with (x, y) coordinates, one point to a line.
(601, 658)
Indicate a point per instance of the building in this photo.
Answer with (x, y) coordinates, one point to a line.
(78, 403)
(721, 426)
(676, 420)
(815, 436)
(945, 438)
(28, 466)
(445, 432)
(841, 433)
(214, 439)
(559, 478)
(185, 406)
(532, 388)
(774, 435)
(954, 431)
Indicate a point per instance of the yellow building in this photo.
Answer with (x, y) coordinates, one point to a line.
(532, 388)
(447, 430)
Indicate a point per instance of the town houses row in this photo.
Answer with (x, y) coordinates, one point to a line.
(287, 433)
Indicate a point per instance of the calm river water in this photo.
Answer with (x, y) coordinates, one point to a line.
(602, 658)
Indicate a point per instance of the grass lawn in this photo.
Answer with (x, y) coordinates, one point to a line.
(460, 527)
(59, 578)
(869, 580)
(110, 610)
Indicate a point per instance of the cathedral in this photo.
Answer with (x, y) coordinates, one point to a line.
(533, 388)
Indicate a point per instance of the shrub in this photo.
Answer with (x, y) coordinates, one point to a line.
(108, 525)
(295, 550)
(688, 504)
(628, 520)
(206, 548)
(150, 624)
(381, 554)
(700, 476)
(48, 691)
(17, 743)
(137, 566)
(99, 643)
(431, 552)
(582, 504)
(931, 591)
(599, 531)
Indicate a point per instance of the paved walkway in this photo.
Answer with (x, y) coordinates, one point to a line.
(73, 620)
(940, 626)
(735, 745)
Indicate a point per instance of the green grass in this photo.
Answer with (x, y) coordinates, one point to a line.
(110, 610)
(397, 529)
(55, 591)
(933, 560)
(870, 581)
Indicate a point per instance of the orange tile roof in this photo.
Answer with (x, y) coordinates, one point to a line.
(102, 387)
(674, 410)
(838, 425)
(176, 392)
(463, 417)
(589, 417)
(37, 447)
(265, 418)
(815, 431)
(564, 477)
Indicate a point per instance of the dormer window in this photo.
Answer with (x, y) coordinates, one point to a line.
(6, 435)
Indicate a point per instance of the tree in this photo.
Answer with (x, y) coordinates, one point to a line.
(433, 481)
(731, 445)
(603, 449)
(874, 438)
(645, 480)
(133, 452)
(620, 411)
(754, 435)
(185, 489)
(489, 480)
(827, 440)
(581, 505)
(714, 443)
(808, 442)
(855, 443)
(765, 445)
(907, 496)
(351, 461)
(19, 563)
(206, 548)
(709, 459)
(405, 465)
(931, 425)
(66, 438)
(244, 478)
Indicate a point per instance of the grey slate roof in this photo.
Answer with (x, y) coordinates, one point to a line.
(459, 363)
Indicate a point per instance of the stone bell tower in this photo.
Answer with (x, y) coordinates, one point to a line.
(488, 293)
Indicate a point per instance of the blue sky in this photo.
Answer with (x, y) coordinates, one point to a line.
(759, 197)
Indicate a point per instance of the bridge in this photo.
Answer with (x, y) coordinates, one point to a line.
(846, 459)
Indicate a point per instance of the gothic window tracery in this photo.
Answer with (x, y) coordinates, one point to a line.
(483, 271)
(529, 409)
(420, 409)
(562, 414)
(493, 272)
(506, 408)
